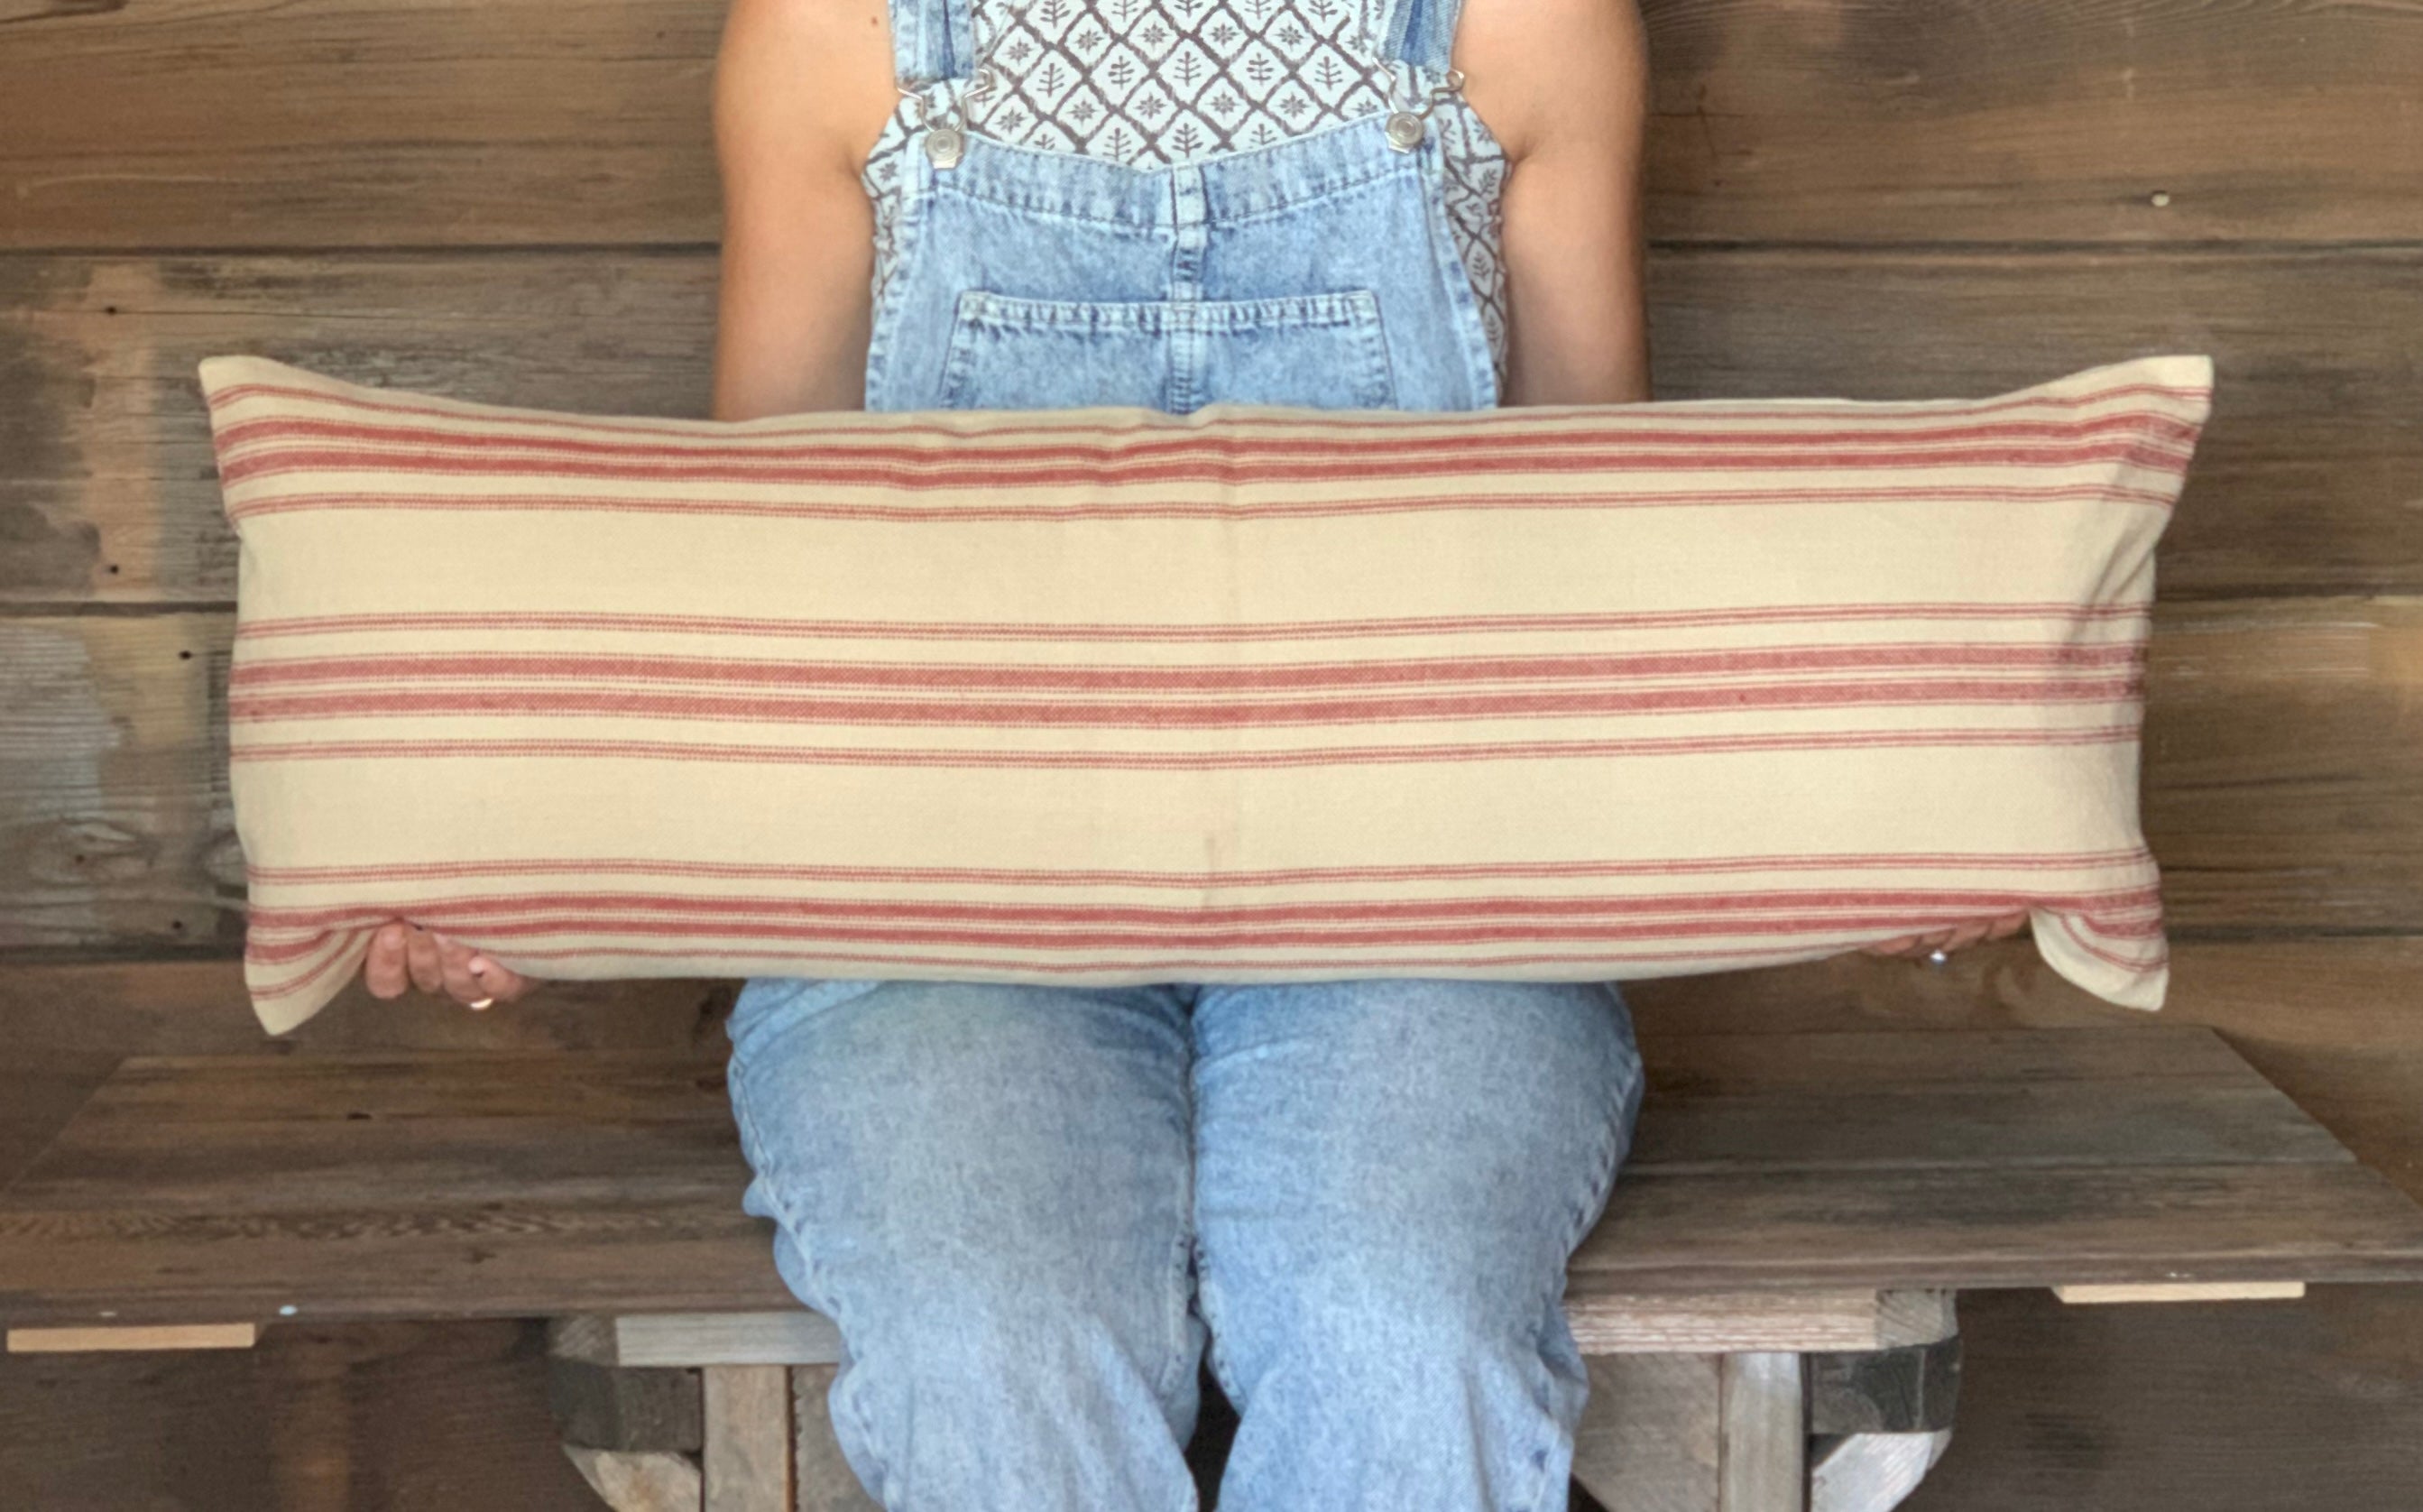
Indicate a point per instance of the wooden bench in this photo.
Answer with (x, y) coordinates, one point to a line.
(1767, 1306)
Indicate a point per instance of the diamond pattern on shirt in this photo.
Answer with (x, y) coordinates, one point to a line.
(1175, 80)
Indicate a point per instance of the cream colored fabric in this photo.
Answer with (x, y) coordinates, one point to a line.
(1111, 695)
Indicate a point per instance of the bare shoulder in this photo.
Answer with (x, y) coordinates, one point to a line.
(1541, 71)
(803, 78)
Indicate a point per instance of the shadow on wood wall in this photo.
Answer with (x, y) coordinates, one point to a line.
(513, 200)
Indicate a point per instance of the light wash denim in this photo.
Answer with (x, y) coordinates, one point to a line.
(1030, 1209)
(1023, 1205)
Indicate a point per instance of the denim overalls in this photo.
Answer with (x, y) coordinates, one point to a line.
(1029, 1208)
(1319, 271)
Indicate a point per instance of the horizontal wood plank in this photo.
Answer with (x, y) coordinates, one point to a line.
(2024, 1227)
(1984, 1124)
(326, 122)
(157, 1337)
(2330, 1021)
(235, 1208)
(1680, 1323)
(1826, 1229)
(246, 1134)
(333, 123)
(1736, 1064)
(2304, 480)
(107, 486)
(2245, 1291)
(2283, 775)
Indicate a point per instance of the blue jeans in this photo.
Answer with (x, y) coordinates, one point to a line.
(1028, 1208)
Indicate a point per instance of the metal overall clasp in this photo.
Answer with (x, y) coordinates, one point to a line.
(1406, 124)
(946, 141)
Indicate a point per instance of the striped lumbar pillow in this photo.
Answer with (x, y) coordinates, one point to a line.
(1110, 695)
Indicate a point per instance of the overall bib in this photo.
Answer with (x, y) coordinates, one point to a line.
(1031, 1209)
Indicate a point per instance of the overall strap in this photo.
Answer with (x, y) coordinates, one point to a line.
(931, 40)
(1420, 32)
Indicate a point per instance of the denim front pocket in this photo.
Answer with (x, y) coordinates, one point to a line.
(1316, 351)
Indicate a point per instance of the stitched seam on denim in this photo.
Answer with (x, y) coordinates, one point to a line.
(1604, 1160)
(1380, 374)
(761, 1160)
(1325, 194)
(867, 1436)
(1461, 191)
(1059, 206)
(1046, 206)
(1203, 1281)
(908, 232)
(1177, 1361)
(1546, 1390)
(960, 347)
(1345, 309)
(1480, 373)
(1190, 232)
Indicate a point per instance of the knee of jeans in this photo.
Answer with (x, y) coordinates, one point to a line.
(767, 1005)
(1383, 1320)
(938, 1328)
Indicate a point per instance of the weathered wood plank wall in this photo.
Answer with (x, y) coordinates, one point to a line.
(514, 200)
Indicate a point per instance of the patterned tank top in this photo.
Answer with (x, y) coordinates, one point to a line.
(1150, 83)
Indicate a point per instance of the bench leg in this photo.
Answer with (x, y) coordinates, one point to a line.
(746, 1460)
(708, 1438)
(1693, 1433)
(1767, 1432)
(1762, 1434)
(826, 1483)
(1870, 1472)
(638, 1480)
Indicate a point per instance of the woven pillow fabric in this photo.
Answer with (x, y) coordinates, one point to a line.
(1110, 695)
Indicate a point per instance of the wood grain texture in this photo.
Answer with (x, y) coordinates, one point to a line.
(2331, 1021)
(154, 1338)
(227, 1188)
(383, 1417)
(2251, 1291)
(107, 490)
(2022, 1226)
(1650, 1437)
(626, 1411)
(2283, 773)
(327, 123)
(824, 1481)
(194, 124)
(1763, 1442)
(2231, 1407)
(747, 1460)
(38, 1093)
(1912, 1389)
(1872, 1471)
(80, 1016)
(1606, 1323)
(644, 1481)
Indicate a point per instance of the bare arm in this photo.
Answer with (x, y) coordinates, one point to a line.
(1563, 85)
(803, 89)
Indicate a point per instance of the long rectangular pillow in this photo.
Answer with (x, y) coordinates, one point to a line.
(1110, 695)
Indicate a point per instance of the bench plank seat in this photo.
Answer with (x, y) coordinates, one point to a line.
(221, 1188)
